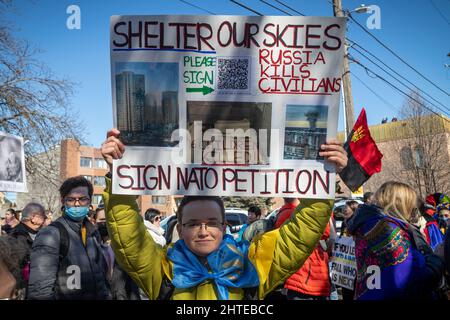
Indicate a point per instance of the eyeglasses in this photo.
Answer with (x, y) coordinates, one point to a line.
(193, 225)
(82, 201)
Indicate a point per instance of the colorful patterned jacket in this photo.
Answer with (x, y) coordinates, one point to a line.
(393, 259)
(276, 254)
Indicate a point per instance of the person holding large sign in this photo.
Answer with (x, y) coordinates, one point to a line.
(206, 263)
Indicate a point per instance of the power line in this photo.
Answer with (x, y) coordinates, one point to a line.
(292, 9)
(396, 55)
(395, 87)
(447, 109)
(271, 5)
(376, 94)
(440, 12)
(383, 63)
(200, 8)
(366, 68)
(390, 50)
(245, 7)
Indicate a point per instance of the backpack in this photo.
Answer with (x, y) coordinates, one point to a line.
(64, 240)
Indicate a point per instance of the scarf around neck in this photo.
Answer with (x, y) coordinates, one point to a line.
(229, 267)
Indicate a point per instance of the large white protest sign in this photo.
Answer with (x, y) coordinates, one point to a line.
(343, 263)
(12, 164)
(225, 105)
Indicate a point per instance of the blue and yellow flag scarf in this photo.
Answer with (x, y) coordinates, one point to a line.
(229, 264)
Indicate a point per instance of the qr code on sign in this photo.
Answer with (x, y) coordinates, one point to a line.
(233, 74)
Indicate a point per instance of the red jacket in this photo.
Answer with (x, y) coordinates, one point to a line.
(284, 213)
(313, 277)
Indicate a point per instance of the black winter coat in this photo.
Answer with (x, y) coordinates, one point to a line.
(80, 275)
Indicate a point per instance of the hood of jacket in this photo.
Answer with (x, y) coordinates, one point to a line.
(150, 226)
(364, 214)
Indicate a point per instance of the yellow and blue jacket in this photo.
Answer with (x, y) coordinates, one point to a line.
(276, 255)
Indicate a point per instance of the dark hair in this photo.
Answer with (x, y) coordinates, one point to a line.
(289, 200)
(13, 212)
(352, 204)
(367, 195)
(99, 208)
(13, 254)
(256, 210)
(73, 183)
(188, 199)
(151, 214)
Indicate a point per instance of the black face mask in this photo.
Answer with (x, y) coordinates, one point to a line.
(101, 226)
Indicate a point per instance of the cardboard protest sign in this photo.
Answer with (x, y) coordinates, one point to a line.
(343, 263)
(225, 105)
(12, 164)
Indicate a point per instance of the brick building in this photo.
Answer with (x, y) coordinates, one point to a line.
(88, 162)
(415, 151)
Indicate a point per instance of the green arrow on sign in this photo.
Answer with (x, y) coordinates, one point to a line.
(204, 90)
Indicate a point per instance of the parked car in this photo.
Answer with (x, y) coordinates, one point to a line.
(236, 216)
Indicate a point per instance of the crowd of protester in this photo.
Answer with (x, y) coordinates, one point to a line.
(115, 251)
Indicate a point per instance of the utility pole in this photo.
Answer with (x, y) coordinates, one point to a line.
(347, 85)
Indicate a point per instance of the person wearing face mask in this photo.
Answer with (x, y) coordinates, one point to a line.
(66, 259)
(443, 211)
(122, 287)
(405, 265)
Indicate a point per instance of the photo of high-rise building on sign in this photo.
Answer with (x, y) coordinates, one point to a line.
(305, 131)
(147, 102)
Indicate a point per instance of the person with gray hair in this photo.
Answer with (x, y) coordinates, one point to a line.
(33, 218)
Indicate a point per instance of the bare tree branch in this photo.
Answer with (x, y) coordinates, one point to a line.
(34, 103)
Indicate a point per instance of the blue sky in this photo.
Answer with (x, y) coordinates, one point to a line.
(414, 29)
(153, 71)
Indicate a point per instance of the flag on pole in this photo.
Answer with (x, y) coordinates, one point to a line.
(364, 158)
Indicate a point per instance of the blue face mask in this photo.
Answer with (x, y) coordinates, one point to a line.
(77, 213)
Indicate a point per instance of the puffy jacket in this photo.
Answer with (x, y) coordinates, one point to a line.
(271, 253)
(313, 277)
(80, 275)
(408, 269)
